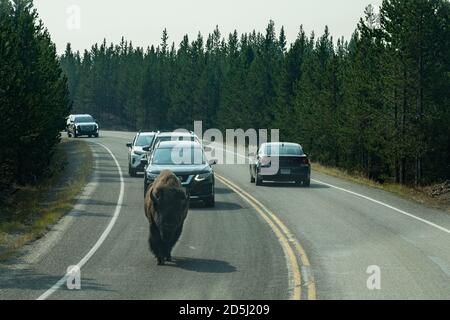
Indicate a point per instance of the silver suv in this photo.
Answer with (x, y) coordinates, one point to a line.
(136, 153)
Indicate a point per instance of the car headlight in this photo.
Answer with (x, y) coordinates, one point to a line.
(152, 176)
(203, 176)
(138, 153)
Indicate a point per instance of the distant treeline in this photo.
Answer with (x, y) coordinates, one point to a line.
(34, 98)
(377, 104)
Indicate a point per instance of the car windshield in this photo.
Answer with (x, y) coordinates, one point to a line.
(144, 140)
(283, 150)
(84, 119)
(179, 156)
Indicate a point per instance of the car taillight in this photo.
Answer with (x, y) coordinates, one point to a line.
(265, 161)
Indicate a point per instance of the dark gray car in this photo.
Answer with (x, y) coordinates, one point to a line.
(280, 161)
(187, 160)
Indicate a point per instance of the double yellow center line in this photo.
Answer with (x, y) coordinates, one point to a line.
(292, 248)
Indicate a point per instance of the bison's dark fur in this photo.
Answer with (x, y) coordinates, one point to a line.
(166, 207)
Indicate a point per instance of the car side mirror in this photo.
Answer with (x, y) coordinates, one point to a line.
(147, 149)
(212, 162)
(129, 145)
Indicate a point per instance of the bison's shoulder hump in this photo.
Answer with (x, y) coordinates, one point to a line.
(167, 179)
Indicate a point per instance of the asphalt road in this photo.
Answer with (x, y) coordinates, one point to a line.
(233, 251)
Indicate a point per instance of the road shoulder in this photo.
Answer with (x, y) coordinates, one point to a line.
(421, 195)
(33, 211)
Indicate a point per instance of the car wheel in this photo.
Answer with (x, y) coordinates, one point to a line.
(68, 134)
(252, 178)
(145, 187)
(210, 202)
(307, 183)
(96, 135)
(90, 136)
(259, 181)
(131, 171)
(75, 135)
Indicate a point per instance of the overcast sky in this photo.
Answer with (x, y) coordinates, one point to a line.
(142, 21)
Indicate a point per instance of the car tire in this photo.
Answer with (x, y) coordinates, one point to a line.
(252, 178)
(75, 135)
(69, 135)
(96, 135)
(131, 171)
(90, 136)
(210, 202)
(259, 181)
(307, 183)
(145, 188)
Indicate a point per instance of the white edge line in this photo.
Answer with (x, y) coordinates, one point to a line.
(386, 205)
(102, 238)
(35, 250)
(364, 197)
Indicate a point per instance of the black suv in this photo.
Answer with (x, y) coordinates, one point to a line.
(82, 125)
(187, 160)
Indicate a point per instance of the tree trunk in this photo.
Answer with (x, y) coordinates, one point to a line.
(419, 109)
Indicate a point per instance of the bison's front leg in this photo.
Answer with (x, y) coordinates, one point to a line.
(167, 251)
(156, 244)
(172, 243)
(168, 256)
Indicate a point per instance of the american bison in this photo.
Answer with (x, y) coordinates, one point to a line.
(166, 207)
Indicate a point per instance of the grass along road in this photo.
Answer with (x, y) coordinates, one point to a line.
(32, 210)
(420, 195)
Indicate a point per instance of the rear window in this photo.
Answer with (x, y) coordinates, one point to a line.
(174, 138)
(144, 140)
(283, 150)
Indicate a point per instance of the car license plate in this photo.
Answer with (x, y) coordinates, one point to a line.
(285, 171)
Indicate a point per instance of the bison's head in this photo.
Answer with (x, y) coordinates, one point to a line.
(171, 207)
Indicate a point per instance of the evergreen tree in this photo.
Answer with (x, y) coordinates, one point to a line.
(377, 104)
(33, 94)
